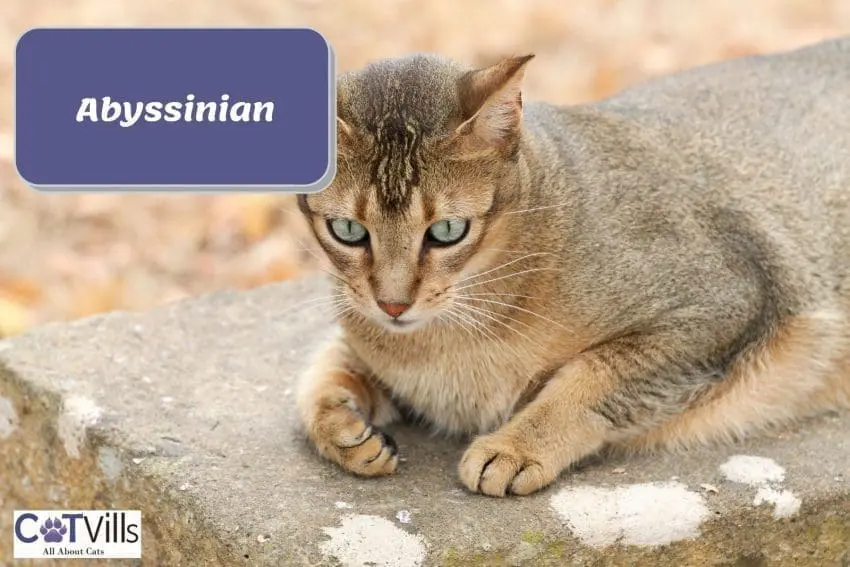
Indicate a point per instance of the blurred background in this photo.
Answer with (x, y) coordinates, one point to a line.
(69, 256)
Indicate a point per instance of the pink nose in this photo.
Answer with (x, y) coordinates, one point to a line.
(393, 309)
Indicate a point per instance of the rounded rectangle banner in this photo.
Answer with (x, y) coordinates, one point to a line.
(175, 108)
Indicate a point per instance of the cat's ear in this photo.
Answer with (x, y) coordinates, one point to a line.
(346, 135)
(491, 105)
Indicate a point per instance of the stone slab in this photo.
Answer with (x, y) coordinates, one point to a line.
(186, 412)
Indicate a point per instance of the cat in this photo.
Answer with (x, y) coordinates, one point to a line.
(662, 269)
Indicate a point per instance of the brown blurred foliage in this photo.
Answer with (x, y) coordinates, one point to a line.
(68, 256)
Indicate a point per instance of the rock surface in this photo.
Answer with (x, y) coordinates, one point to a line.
(186, 412)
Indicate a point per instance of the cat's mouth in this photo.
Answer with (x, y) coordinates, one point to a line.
(403, 326)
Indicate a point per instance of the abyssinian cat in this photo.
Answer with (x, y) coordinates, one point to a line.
(661, 269)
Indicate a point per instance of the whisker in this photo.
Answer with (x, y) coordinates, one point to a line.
(454, 319)
(500, 266)
(499, 295)
(339, 315)
(330, 308)
(331, 296)
(510, 251)
(483, 328)
(518, 308)
(322, 261)
(477, 325)
(314, 302)
(306, 248)
(490, 315)
(533, 209)
(340, 279)
(484, 333)
(473, 284)
(496, 314)
(335, 303)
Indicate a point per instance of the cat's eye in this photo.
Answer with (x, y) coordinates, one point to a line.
(348, 231)
(447, 231)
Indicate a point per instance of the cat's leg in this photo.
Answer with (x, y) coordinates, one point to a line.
(802, 371)
(614, 390)
(341, 412)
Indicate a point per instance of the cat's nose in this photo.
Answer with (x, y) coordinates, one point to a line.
(393, 309)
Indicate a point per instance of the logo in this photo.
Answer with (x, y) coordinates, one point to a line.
(69, 534)
(53, 530)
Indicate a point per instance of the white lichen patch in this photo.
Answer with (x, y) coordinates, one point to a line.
(363, 540)
(8, 418)
(77, 415)
(751, 470)
(647, 514)
(784, 502)
(767, 476)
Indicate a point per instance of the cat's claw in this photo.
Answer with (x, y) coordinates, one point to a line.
(377, 455)
(498, 466)
(357, 446)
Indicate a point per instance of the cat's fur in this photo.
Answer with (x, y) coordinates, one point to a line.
(664, 268)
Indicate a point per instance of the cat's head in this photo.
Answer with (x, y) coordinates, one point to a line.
(427, 165)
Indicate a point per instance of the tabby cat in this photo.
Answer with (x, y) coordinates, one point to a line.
(665, 268)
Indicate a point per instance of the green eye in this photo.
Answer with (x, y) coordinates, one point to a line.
(447, 231)
(348, 231)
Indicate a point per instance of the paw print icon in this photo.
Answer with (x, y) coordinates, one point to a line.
(53, 530)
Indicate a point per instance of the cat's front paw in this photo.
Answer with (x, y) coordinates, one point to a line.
(497, 465)
(342, 436)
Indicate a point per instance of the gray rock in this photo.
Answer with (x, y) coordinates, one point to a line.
(186, 412)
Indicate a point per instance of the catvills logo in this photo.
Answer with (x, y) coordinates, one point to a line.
(68, 534)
